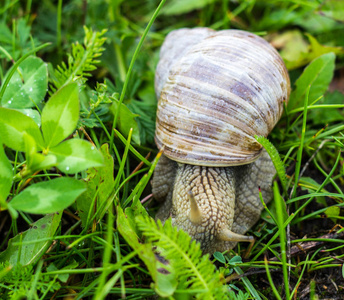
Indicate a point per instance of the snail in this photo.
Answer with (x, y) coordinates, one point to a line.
(216, 91)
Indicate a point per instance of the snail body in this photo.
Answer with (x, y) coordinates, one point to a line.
(216, 90)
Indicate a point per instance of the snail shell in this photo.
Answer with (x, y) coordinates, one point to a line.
(216, 91)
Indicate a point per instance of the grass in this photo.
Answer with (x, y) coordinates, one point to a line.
(94, 247)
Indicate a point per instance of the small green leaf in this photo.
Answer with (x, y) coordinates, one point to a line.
(48, 196)
(36, 161)
(60, 115)
(6, 176)
(235, 260)
(76, 155)
(28, 84)
(34, 246)
(13, 125)
(333, 212)
(333, 9)
(126, 121)
(219, 256)
(178, 7)
(318, 75)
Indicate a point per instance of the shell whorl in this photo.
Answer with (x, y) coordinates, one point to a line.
(216, 91)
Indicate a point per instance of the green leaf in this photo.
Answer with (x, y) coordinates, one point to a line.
(34, 114)
(177, 7)
(235, 260)
(333, 9)
(76, 155)
(48, 196)
(318, 74)
(13, 125)
(6, 176)
(159, 268)
(28, 84)
(126, 121)
(60, 115)
(219, 256)
(100, 183)
(34, 246)
(333, 212)
(36, 161)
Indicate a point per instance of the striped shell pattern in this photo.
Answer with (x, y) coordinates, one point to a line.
(216, 90)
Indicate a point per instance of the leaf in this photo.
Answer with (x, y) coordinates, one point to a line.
(6, 176)
(63, 277)
(333, 9)
(318, 74)
(296, 52)
(36, 161)
(235, 260)
(99, 182)
(28, 84)
(317, 49)
(34, 114)
(126, 121)
(159, 268)
(219, 256)
(333, 212)
(34, 246)
(60, 115)
(13, 125)
(48, 196)
(178, 7)
(76, 155)
(81, 60)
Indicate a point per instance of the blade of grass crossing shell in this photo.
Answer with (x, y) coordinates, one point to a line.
(280, 208)
(127, 77)
(276, 160)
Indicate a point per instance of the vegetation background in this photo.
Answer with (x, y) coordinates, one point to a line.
(77, 121)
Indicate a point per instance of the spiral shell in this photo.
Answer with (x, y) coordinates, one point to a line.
(216, 91)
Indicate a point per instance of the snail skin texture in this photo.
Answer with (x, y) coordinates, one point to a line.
(216, 90)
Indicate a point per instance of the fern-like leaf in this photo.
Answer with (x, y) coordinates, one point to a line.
(276, 160)
(190, 265)
(81, 61)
